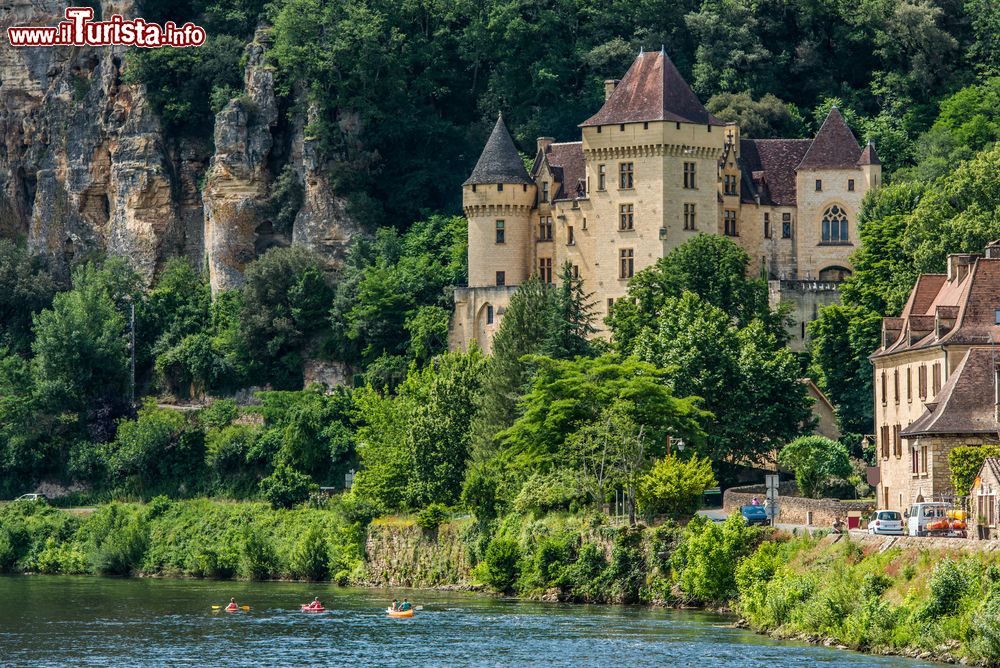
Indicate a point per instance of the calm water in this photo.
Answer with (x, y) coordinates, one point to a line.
(57, 621)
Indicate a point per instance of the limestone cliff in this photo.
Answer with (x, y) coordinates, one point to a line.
(86, 168)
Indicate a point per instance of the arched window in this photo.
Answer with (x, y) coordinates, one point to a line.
(834, 274)
(835, 227)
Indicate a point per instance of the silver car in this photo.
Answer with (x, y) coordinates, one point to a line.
(889, 522)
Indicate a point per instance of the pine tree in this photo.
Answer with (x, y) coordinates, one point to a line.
(572, 318)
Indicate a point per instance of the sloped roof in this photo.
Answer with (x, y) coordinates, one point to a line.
(965, 403)
(869, 156)
(769, 167)
(835, 146)
(500, 161)
(568, 167)
(652, 90)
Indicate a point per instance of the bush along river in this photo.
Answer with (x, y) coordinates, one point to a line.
(89, 621)
(932, 604)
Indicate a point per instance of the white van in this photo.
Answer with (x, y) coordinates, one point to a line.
(922, 514)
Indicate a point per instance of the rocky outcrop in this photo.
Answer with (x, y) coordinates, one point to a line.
(401, 554)
(238, 183)
(84, 167)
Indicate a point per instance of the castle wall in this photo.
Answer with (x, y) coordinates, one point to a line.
(812, 253)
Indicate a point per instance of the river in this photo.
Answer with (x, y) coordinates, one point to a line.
(85, 621)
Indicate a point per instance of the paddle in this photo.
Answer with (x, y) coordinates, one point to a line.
(219, 607)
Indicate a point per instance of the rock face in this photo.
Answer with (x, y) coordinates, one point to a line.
(238, 180)
(85, 167)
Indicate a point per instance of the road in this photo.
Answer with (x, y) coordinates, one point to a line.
(718, 515)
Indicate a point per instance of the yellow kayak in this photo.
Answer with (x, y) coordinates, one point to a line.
(399, 613)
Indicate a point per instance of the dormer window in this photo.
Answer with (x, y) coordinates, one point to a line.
(545, 191)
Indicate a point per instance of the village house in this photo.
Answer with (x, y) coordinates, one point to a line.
(983, 501)
(653, 169)
(936, 378)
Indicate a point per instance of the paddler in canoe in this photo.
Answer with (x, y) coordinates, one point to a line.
(397, 609)
(315, 606)
(232, 607)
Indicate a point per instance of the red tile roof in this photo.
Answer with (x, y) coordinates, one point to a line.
(769, 168)
(965, 403)
(869, 156)
(652, 90)
(834, 147)
(568, 167)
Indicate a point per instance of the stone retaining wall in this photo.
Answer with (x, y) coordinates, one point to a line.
(883, 543)
(794, 509)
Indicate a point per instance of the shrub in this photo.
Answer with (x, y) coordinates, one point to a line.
(815, 459)
(286, 487)
(500, 567)
(431, 517)
(675, 487)
(257, 558)
(984, 632)
(707, 560)
(309, 559)
(625, 574)
(948, 584)
(117, 540)
(586, 575)
(558, 490)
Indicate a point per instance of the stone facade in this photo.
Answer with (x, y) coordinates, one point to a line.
(935, 379)
(652, 170)
(795, 509)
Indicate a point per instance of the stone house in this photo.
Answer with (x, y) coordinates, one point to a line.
(652, 169)
(983, 500)
(936, 378)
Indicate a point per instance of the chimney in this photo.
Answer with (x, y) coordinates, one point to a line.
(609, 87)
(543, 143)
(959, 264)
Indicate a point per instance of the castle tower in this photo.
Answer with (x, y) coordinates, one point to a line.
(498, 198)
(871, 166)
(652, 154)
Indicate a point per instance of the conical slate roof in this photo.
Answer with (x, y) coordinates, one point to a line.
(652, 90)
(834, 147)
(500, 161)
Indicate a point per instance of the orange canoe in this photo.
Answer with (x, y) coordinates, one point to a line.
(400, 613)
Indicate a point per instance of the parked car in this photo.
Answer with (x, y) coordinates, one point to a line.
(935, 519)
(889, 522)
(754, 515)
(31, 497)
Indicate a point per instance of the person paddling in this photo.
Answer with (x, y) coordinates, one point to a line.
(406, 605)
(232, 607)
(395, 604)
(316, 605)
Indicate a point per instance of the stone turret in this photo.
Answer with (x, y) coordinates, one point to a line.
(871, 166)
(498, 198)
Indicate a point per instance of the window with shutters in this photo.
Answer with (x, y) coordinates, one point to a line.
(936, 369)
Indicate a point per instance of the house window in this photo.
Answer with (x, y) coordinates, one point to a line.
(545, 191)
(689, 217)
(602, 173)
(898, 440)
(835, 228)
(611, 302)
(499, 187)
(996, 316)
(689, 175)
(576, 271)
(501, 278)
(500, 232)
(895, 385)
(545, 228)
(545, 269)
(923, 459)
(729, 220)
(625, 175)
(626, 259)
(850, 185)
(767, 226)
(786, 226)
(922, 381)
(729, 184)
(489, 314)
(915, 460)
(885, 394)
(909, 384)
(625, 217)
(819, 185)
(883, 437)
(570, 239)
(936, 370)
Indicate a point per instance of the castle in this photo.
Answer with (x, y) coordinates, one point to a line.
(653, 169)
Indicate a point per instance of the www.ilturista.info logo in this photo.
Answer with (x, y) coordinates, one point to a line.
(80, 30)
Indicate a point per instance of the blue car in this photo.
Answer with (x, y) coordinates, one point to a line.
(754, 515)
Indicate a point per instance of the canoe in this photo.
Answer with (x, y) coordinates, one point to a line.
(399, 613)
(308, 608)
(937, 525)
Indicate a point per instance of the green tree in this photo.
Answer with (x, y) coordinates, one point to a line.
(674, 486)
(286, 487)
(815, 459)
(572, 316)
(764, 118)
(80, 346)
(26, 287)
